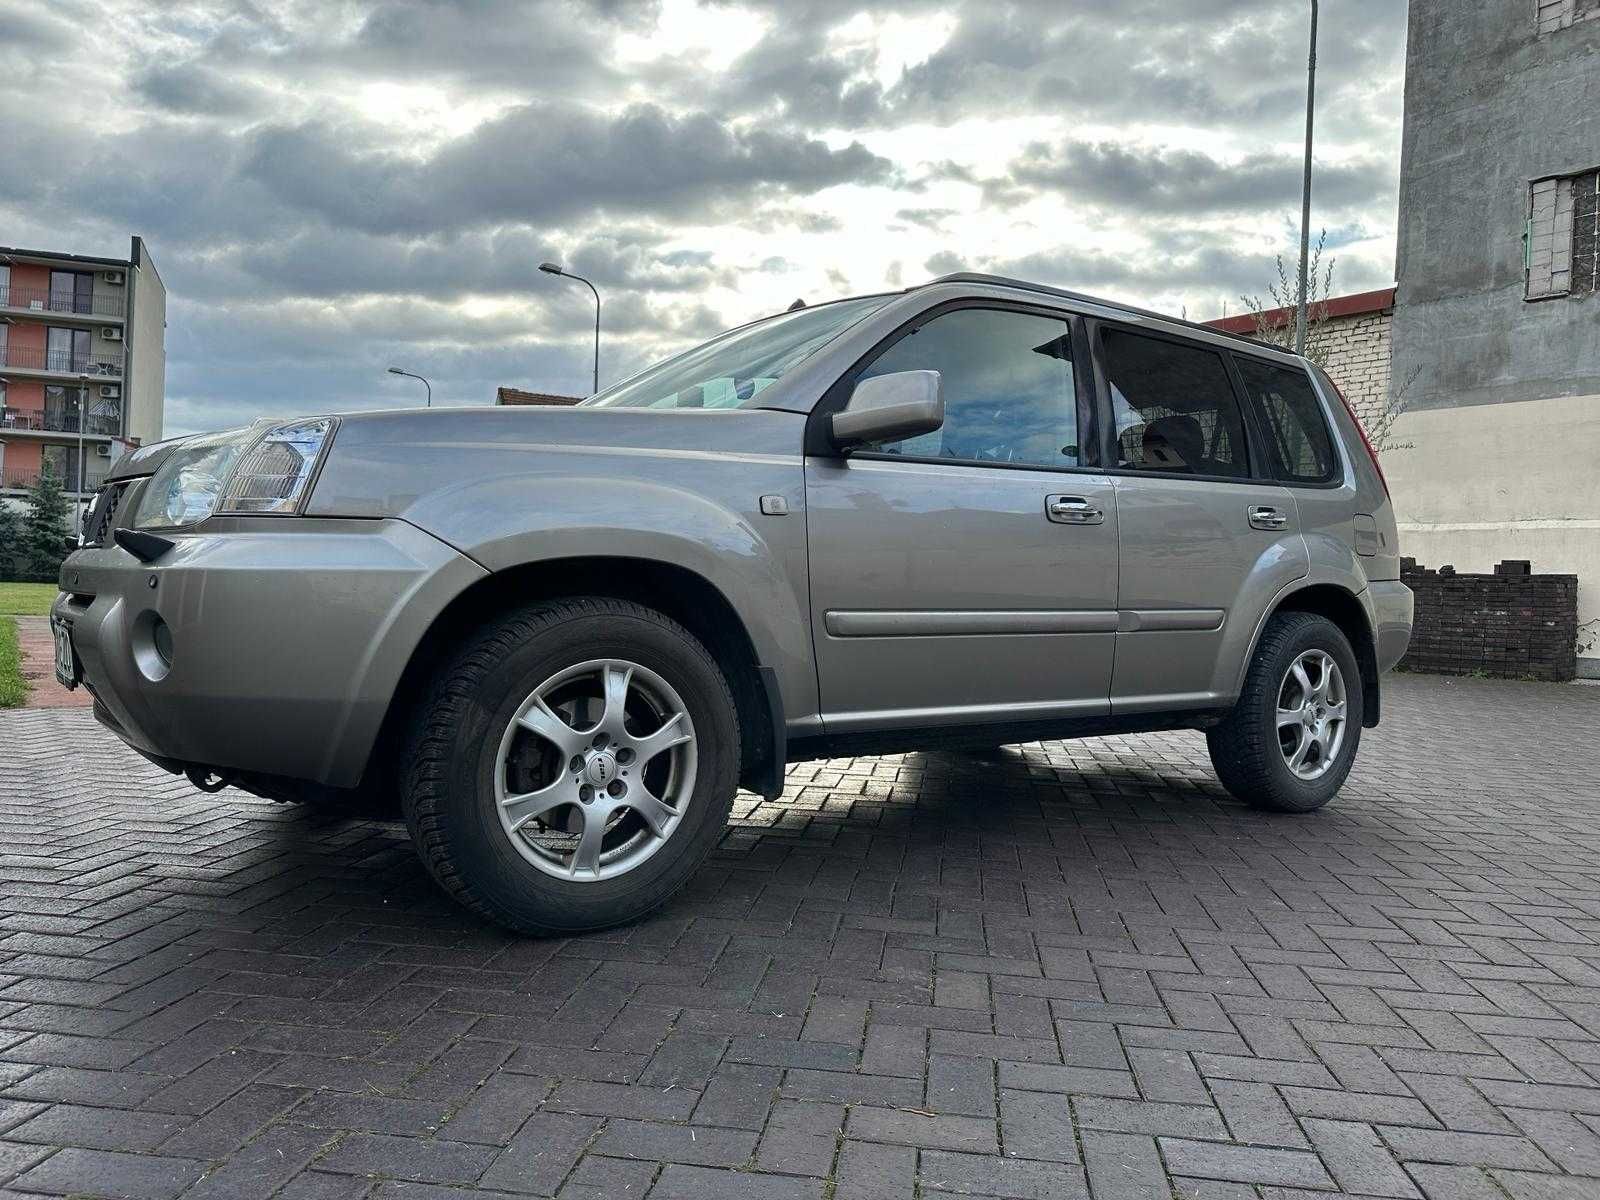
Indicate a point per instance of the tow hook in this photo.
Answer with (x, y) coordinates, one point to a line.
(207, 781)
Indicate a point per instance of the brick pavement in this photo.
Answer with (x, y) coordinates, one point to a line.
(1070, 971)
(39, 667)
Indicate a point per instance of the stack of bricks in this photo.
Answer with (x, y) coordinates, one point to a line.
(1512, 624)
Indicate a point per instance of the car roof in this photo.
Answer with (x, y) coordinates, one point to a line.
(1211, 331)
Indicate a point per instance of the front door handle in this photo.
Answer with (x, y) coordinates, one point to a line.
(1265, 516)
(1073, 510)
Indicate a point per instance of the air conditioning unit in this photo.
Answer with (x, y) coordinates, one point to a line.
(102, 450)
(109, 391)
(115, 277)
(111, 333)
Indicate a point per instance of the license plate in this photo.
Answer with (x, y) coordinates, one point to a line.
(66, 660)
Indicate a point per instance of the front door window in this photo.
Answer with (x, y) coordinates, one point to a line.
(1008, 382)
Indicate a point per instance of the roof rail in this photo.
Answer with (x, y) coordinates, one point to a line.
(1082, 297)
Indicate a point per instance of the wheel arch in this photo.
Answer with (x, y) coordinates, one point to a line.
(680, 593)
(1345, 609)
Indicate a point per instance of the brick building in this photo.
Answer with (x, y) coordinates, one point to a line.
(82, 364)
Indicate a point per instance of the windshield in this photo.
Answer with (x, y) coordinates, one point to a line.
(734, 368)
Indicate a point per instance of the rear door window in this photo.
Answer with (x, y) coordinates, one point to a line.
(1174, 407)
(1297, 432)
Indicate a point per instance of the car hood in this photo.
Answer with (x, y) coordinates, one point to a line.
(430, 430)
(382, 463)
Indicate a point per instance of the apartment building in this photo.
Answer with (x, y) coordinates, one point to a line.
(82, 364)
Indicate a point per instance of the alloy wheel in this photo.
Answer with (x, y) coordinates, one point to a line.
(1311, 716)
(595, 770)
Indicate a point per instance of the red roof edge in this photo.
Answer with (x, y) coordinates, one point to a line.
(511, 395)
(1355, 305)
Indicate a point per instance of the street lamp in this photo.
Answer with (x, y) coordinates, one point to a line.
(83, 415)
(409, 375)
(1305, 189)
(555, 269)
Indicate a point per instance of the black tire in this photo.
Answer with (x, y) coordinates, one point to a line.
(448, 794)
(1244, 747)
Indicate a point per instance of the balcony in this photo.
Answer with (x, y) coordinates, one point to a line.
(42, 300)
(63, 362)
(22, 479)
(103, 421)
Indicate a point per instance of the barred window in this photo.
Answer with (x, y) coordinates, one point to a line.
(1559, 14)
(1561, 243)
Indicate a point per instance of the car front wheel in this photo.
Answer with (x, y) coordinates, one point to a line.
(572, 766)
(1290, 741)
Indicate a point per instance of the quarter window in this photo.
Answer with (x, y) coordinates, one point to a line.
(1301, 448)
(1173, 406)
(1009, 387)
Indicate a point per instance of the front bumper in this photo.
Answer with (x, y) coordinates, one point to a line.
(288, 639)
(1393, 606)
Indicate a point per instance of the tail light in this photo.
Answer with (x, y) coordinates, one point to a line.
(1362, 430)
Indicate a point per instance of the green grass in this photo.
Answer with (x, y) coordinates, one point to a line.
(26, 599)
(12, 690)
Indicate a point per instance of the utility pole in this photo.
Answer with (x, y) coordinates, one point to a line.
(83, 415)
(1305, 189)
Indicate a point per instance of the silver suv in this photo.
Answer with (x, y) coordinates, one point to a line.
(972, 513)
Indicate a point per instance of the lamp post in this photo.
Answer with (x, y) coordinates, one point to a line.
(83, 415)
(555, 269)
(410, 375)
(1305, 189)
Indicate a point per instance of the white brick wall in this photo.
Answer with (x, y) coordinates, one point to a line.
(1358, 356)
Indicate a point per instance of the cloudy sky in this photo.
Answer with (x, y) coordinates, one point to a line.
(333, 186)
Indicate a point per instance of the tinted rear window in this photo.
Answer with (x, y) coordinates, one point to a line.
(1174, 407)
(1300, 447)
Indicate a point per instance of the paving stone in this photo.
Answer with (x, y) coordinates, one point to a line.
(944, 1171)
(866, 992)
(703, 1183)
(868, 1171)
(657, 1141)
(1244, 1164)
(105, 1173)
(916, 1129)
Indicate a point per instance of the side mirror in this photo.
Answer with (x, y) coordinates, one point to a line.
(888, 408)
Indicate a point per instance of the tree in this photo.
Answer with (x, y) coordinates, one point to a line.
(1284, 293)
(11, 554)
(44, 539)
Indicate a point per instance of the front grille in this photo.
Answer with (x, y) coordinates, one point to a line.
(103, 516)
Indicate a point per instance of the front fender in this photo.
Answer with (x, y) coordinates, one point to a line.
(515, 520)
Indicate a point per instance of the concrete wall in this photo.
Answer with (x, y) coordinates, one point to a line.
(1505, 408)
(1491, 105)
(145, 384)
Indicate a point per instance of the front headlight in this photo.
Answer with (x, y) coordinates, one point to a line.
(276, 474)
(241, 471)
(189, 484)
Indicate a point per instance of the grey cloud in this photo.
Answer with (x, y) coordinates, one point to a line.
(549, 162)
(197, 90)
(1145, 180)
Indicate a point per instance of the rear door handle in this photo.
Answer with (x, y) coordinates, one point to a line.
(1265, 516)
(1073, 510)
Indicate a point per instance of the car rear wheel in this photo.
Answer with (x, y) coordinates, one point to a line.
(572, 766)
(1290, 741)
